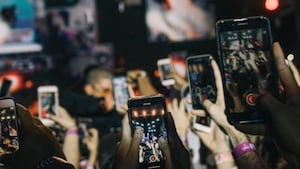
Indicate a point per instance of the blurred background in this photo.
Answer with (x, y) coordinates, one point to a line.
(46, 42)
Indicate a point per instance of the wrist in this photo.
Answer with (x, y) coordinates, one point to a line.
(236, 136)
(224, 157)
(72, 131)
(242, 149)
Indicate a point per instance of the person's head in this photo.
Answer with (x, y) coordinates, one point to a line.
(98, 82)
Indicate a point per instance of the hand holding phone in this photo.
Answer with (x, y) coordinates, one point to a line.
(9, 126)
(202, 87)
(165, 69)
(148, 112)
(245, 51)
(201, 80)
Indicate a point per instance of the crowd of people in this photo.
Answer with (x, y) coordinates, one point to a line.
(108, 142)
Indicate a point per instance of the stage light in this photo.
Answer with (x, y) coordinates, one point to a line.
(271, 5)
(16, 78)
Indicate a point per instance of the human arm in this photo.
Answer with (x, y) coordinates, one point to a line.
(127, 152)
(181, 118)
(217, 144)
(33, 132)
(216, 111)
(71, 140)
(139, 79)
(92, 142)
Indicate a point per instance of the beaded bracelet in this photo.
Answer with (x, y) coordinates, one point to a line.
(243, 148)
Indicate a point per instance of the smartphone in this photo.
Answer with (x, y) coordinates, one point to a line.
(201, 80)
(245, 52)
(9, 126)
(120, 89)
(202, 86)
(165, 69)
(148, 112)
(48, 103)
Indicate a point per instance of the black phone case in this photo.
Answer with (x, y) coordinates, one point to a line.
(251, 114)
(153, 125)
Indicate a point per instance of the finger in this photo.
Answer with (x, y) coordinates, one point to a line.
(126, 135)
(219, 84)
(182, 106)
(163, 144)
(295, 72)
(271, 104)
(175, 105)
(198, 112)
(285, 74)
(136, 140)
(130, 90)
(94, 132)
(126, 130)
(208, 105)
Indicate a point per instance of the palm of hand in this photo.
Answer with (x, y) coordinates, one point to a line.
(181, 118)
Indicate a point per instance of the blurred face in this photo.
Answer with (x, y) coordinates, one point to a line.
(104, 88)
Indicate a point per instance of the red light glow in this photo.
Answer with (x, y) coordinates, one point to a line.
(271, 5)
(16, 79)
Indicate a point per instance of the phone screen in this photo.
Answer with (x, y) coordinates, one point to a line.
(149, 114)
(9, 141)
(121, 92)
(165, 69)
(201, 80)
(48, 103)
(246, 53)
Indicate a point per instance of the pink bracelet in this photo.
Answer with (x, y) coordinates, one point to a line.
(243, 148)
(89, 166)
(73, 131)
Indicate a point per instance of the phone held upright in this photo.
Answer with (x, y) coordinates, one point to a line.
(245, 53)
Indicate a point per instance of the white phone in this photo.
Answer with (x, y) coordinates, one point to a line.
(165, 68)
(48, 103)
(202, 123)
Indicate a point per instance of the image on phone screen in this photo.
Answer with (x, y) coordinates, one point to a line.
(151, 119)
(202, 123)
(245, 52)
(121, 92)
(9, 141)
(48, 105)
(165, 69)
(201, 80)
